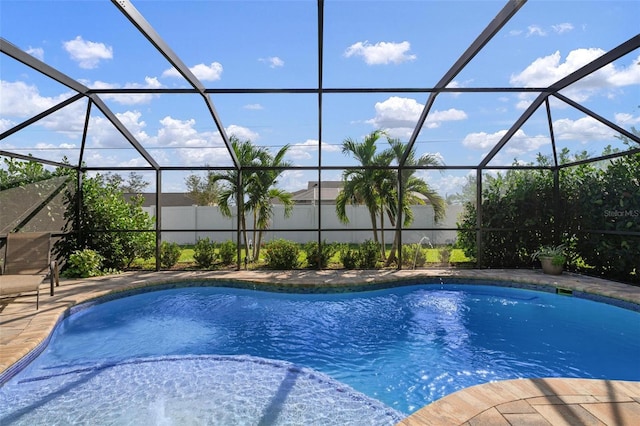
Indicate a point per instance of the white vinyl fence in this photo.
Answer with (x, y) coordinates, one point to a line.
(188, 224)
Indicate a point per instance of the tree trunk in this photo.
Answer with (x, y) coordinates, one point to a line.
(383, 253)
(374, 227)
(257, 246)
(243, 228)
(255, 236)
(394, 247)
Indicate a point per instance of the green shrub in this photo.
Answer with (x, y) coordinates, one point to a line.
(368, 254)
(204, 253)
(444, 254)
(364, 257)
(110, 224)
(348, 257)
(83, 264)
(228, 252)
(281, 254)
(319, 257)
(169, 254)
(413, 254)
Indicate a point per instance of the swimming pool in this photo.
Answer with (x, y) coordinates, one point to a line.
(404, 346)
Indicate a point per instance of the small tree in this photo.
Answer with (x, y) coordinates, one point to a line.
(135, 184)
(169, 254)
(204, 253)
(282, 254)
(107, 223)
(204, 191)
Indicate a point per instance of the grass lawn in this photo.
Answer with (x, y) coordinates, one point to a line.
(186, 259)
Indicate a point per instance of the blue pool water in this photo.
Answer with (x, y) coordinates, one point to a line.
(404, 347)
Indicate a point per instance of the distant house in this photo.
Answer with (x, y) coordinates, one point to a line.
(326, 192)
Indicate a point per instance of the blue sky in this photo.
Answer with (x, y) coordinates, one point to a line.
(273, 44)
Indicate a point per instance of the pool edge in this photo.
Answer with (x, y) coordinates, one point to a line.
(74, 294)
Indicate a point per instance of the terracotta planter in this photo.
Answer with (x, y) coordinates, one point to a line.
(548, 267)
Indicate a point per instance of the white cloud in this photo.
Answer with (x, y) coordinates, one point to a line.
(435, 118)
(457, 84)
(128, 98)
(36, 52)
(203, 72)
(534, 30)
(20, 99)
(624, 119)
(253, 106)
(446, 184)
(582, 130)
(272, 61)
(175, 132)
(537, 30)
(242, 133)
(547, 70)
(562, 28)
(102, 133)
(6, 124)
(396, 112)
(482, 140)
(191, 146)
(520, 143)
(292, 180)
(87, 54)
(399, 116)
(302, 151)
(381, 53)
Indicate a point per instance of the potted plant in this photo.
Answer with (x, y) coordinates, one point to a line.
(552, 258)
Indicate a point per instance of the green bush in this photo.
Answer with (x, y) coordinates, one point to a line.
(368, 254)
(413, 254)
(319, 257)
(204, 253)
(83, 264)
(595, 212)
(518, 207)
(348, 257)
(110, 224)
(364, 257)
(169, 254)
(281, 254)
(228, 252)
(444, 254)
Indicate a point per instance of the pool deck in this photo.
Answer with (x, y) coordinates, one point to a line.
(544, 401)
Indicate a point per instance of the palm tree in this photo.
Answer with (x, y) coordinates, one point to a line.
(262, 192)
(412, 187)
(360, 185)
(238, 184)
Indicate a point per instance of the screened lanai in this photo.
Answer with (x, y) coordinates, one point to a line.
(161, 90)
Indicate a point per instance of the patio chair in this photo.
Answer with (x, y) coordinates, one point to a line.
(27, 262)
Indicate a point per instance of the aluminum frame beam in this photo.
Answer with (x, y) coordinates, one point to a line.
(507, 12)
(21, 56)
(598, 117)
(627, 47)
(36, 159)
(145, 28)
(42, 115)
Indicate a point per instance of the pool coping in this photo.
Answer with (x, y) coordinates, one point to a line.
(25, 331)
